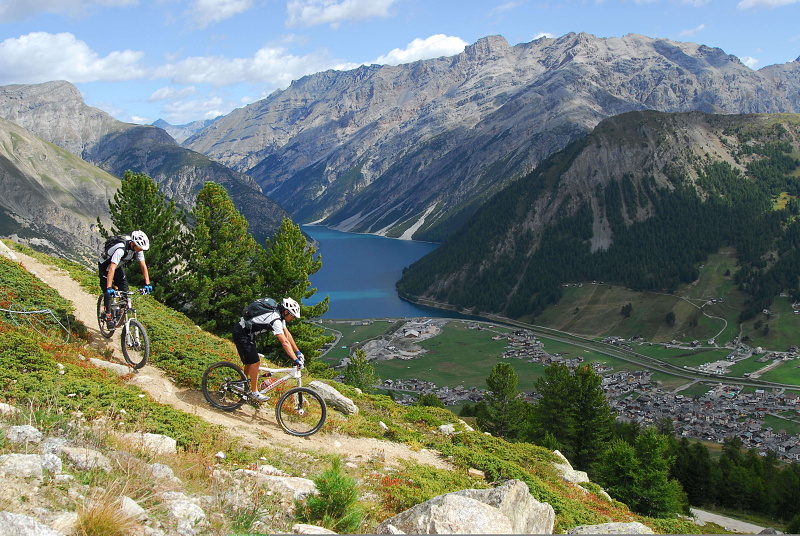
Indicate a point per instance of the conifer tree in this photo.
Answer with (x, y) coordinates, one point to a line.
(219, 279)
(552, 413)
(593, 417)
(282, 270)
(139, 204)
(502, 414)
(360, 373)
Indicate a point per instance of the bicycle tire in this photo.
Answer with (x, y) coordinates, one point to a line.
(101, 319)
(218, 389)
(135, 344)
(301, 423)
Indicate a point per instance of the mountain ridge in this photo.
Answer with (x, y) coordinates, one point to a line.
(56, 112)
(382, 149)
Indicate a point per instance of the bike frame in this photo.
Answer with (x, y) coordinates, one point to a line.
(125, 304)
(289, 374)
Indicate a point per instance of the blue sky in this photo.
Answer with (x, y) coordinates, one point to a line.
(183, 60)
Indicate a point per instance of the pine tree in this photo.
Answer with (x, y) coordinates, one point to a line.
(593, 417)
(553, 412)
(360, 373)
(503, 414)
(282, 270)
(219, 277)
(139, 204)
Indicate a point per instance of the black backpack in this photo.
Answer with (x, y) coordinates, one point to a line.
(115, 240)
(256, 308)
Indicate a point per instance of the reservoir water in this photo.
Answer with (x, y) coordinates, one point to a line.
(359, 272)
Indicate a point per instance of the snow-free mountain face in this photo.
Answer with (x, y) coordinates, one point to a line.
(56, 112)
(413, 150)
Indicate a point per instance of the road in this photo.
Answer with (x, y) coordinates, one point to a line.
(733, 525)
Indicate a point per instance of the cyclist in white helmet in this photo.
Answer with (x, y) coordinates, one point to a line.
(244, 337)
(117, 252)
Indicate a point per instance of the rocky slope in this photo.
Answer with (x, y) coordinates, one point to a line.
(49, 197)
(555, 225)
(413, 150)
(56, 112)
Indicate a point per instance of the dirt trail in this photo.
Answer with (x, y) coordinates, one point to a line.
(255, 427)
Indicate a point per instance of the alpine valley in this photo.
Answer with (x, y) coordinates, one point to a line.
(539, 164)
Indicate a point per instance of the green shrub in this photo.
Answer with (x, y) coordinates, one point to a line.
(335, 506)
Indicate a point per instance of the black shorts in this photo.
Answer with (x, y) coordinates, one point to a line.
(245, 345)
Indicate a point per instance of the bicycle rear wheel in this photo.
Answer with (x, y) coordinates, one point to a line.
(101, 319)
(135, 344)
(301, 411)
(224, 385)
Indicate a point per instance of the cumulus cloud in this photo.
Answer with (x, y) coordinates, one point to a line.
(750, 4)
(15, 10)
(335, 12)
(270, 65)
(205, 12)
(434, 46)
(40, 57)
(181, 111)
(750, 62)
(170, 93)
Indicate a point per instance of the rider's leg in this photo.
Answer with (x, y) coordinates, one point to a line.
(246, 346)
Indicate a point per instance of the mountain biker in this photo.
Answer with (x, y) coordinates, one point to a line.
(111, 272)
(244, 337)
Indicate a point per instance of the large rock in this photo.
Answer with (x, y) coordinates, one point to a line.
(507, 509)
(334, 398)
(449, 514)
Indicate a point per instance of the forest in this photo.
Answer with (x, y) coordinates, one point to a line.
(720, 205)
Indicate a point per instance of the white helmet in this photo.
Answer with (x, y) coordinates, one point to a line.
(141, 240)
(292, 306)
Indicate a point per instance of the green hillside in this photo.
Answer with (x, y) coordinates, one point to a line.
(182, 351)
(680, 188)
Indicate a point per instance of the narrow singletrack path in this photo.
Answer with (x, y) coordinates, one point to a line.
(256, 427)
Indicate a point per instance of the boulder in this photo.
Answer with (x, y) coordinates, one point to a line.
(334, 398)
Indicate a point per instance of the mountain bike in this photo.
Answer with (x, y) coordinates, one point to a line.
(134, 340)
(300, 411)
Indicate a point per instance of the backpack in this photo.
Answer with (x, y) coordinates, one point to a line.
(113, 241)
(256, 308)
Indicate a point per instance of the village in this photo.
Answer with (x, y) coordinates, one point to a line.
(725, 410)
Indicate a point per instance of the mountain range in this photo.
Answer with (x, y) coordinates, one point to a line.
(413, 150)
(417, 150)
(55, 112)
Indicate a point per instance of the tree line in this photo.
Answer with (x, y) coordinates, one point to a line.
(649, 469)
(500, 268)
(211, 268)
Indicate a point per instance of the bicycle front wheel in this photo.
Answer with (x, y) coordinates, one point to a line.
(135, 344)
(101, 318)
(301, 411)
(224, 385)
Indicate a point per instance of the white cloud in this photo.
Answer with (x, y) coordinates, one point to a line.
(205, 12)
(548, 35)
(689, 33)
(748, 4)
(274, 66)
(750, 62)
(41, 57)
(333, 12)
(14, 10)
(434, 46)
(180, 112)
(168, 93)
(508, 6)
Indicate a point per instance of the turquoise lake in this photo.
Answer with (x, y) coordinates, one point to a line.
(359, 273)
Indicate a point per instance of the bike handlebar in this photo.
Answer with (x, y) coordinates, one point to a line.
(119, 293)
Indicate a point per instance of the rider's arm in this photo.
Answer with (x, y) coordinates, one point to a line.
(110, 275)
(145, 273)
(287, 341)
